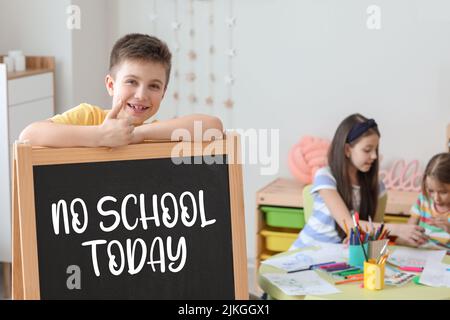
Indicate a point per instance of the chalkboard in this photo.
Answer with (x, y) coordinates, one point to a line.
(132, 228)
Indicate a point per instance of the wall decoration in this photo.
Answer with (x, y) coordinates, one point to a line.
(231, 53)
(209, 101)
(176, 26)
(403, 176)
(306, 157)
(191, 76)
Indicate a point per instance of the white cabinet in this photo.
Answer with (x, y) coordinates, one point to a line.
(24, 98)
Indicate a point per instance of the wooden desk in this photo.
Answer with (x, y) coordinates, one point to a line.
(352, 291)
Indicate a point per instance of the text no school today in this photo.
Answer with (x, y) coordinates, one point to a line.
(162, 215)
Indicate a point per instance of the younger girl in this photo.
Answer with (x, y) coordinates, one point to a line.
(432, 209)
(350, 183)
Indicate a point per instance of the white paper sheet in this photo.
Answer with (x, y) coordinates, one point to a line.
(310, 256)
(410, 257)
(301, 283)
(393, 277)
(435, 274)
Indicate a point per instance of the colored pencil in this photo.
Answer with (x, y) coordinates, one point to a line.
(371, 224)
(346, 229)
(355, 276)
(338, 272)
(383, 259)
(311, 267)
(349, 273)
(348, 281)
(381, 231)
(412, 269)
(362, 247)
(334, 265)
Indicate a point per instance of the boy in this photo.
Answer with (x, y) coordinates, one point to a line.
(137, 80)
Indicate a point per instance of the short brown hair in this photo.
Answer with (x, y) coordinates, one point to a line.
(136, 46)
(437, 168)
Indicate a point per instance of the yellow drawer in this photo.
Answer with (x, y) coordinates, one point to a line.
(264, 256)
(278, 241)
(395, 218)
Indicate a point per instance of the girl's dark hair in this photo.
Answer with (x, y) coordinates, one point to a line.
(437, 168)
(339, 165)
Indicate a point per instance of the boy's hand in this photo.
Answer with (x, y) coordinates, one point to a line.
(116, 132)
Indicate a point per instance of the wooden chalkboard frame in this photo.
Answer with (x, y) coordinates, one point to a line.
(25, 267)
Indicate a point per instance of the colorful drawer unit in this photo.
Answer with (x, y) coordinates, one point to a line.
(278, 241)
(283, 217)
(395, 218)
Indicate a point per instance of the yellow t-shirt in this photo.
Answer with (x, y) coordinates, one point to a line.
(83, 115)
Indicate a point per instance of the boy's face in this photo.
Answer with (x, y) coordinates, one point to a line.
(140, 85)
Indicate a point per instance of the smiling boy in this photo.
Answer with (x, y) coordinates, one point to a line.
(137, 81)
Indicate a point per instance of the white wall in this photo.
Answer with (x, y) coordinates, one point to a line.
(302, 66)
(90, 54)
(39, 28)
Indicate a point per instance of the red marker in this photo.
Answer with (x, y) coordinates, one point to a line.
(357, 217)
(412, 269)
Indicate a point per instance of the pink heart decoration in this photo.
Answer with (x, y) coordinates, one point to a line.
(306, 157)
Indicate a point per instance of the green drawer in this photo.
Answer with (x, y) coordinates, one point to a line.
(284, 217)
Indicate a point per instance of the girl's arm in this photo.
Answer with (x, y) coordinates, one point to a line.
(410, 241)
(413, 234)
(413, 220)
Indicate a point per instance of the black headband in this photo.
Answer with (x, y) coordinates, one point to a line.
(359, 129)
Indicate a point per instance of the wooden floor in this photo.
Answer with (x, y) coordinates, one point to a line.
(5, 281)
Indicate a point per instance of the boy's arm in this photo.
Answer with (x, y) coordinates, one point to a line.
(196, 127)
(112, 132)
(49, 134)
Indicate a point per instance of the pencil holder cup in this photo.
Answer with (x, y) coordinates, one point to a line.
(375, 248)
(356, 255)
(373, 275)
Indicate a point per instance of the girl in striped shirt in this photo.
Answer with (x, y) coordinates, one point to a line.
(350, 183)
(432, 209)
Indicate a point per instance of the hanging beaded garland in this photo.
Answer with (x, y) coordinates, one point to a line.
(211, 53)
(231, 53)
(176, 26)
(191, 76)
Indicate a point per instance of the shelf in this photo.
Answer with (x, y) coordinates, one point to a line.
(27, 73)
(34, 65)
(281, 192)
(400, 202)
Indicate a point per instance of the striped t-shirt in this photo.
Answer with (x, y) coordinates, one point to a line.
(321, 226)
(424, 210)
